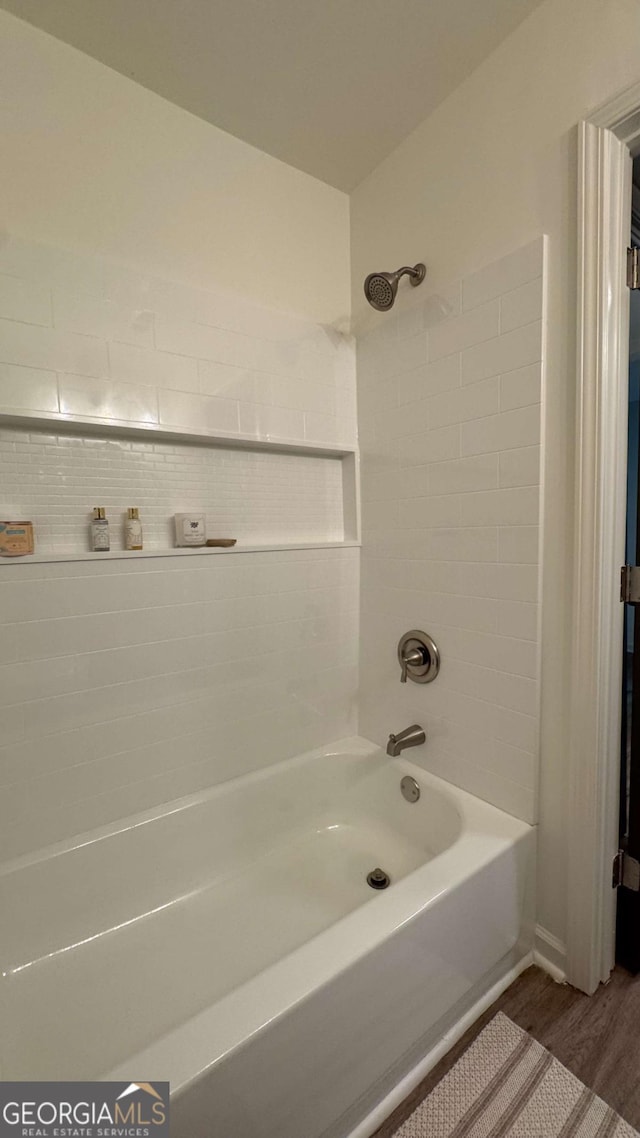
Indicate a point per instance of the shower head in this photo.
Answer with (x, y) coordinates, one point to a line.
(380, 288)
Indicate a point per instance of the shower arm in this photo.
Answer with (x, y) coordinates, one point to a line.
(408, 271)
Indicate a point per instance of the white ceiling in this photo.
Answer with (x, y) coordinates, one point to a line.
(329, 86)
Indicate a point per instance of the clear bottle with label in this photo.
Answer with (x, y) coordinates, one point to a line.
(133, 529)
(99, 530)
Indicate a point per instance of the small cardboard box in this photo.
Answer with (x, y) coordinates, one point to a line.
(16, 539)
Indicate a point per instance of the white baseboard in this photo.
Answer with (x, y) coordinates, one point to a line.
(550, 954)
(399, 1093)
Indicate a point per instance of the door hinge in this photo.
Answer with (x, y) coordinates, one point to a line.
(630, 584)
(626, 871)
(633, 268)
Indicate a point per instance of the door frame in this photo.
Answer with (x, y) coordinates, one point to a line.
(606, 141)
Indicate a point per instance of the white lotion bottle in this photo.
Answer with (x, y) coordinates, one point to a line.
(99, 531)
(133, 529)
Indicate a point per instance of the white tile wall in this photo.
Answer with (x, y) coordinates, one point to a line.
(449, 392)
(89, 338)
(124, 684)
(127, 684)
(258, 497)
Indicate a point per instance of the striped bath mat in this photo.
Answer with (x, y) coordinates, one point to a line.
(509, 1086)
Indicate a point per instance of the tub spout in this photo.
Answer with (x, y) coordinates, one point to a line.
(411, 737)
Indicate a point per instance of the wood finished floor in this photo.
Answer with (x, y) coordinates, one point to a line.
(597, 1037)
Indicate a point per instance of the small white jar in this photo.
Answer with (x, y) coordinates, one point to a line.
(191, 529)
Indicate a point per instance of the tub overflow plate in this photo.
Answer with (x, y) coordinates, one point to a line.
(410, 789)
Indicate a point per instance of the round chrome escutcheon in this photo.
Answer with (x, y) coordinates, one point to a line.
(427, 671)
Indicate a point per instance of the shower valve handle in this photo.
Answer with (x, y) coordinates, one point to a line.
(414, 658)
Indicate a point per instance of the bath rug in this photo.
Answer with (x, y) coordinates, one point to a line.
(507, 1085)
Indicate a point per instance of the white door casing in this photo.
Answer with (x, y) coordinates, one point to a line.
(606, 141)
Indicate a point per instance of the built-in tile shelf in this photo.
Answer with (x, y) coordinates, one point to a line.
(128, 555)
(154, 432)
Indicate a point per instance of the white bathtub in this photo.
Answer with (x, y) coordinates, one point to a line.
(231, 944)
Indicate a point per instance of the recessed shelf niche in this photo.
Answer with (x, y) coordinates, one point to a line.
(267, 494)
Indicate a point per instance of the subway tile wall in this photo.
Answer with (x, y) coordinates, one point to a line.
(85, 337)
(449, 397)
(258, 497)
(126, 684)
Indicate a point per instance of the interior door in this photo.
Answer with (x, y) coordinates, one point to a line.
(628, 914)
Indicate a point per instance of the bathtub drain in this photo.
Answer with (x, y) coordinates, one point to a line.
(378, 879)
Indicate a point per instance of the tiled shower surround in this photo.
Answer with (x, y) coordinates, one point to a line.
(127, 683)
(449, 400)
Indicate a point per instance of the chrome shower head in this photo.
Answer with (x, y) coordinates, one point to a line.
(380, 288)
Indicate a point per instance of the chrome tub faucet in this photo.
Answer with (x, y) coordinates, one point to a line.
(412, 736)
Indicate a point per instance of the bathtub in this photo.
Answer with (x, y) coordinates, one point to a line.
(230, 943)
